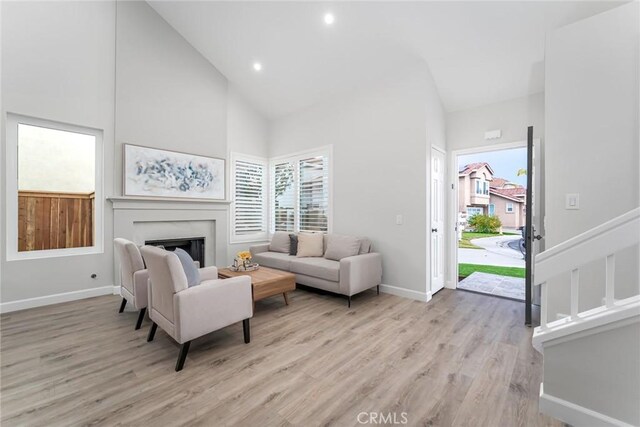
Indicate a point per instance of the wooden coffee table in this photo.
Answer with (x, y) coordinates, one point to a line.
(265, 282)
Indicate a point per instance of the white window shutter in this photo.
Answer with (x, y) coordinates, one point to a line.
(283, 196)
(313, 193)
(249, 206)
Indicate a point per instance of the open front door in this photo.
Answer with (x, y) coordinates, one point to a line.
(534, 222)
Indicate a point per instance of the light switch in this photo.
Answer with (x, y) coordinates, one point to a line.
(399, 220)
(572, 201)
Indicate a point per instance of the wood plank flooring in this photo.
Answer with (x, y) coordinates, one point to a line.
(461, 360)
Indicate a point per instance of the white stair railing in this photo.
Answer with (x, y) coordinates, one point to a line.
(599, 243)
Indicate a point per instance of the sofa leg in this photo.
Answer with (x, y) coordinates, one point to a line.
(152, 332)
(246, 328)
(182, 356)
(140, 318)
(378, 289)
(122, 305)
(349, 301)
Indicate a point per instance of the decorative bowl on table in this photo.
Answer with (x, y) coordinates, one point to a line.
(249, 267)
(242, 262)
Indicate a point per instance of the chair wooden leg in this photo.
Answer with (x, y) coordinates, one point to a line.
(152, 332)
(140, 318)
(182, 356)
(247, 331)
(122, 305)
(286, 300)
(378, 289)
(349, 301)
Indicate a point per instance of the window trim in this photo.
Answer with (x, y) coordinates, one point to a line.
(506, 208)
(295, 158)
(254, 237)
(11, 166)
(479, 211)
(491, 210)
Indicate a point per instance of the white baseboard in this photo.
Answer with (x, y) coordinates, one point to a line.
(573, 414)
(23, 304)
(405, 293)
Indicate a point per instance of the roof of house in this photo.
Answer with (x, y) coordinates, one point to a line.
(498, 182)
(472, 167)
(510, 193)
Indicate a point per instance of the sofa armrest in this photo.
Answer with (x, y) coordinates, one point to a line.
(140, 291)
(360, 272)
(256, 249)
(210, 306)
(197, 263)
(208, 273)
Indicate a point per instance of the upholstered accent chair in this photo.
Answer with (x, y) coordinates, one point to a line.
(133, 277)
(186, 313)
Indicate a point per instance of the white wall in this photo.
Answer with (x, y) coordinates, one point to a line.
(247, 133)
(59, 63)
(591, 115)
(466, 128)
(381, 148)
(58, 67)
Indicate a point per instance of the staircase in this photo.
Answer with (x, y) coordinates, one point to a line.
(591, 358)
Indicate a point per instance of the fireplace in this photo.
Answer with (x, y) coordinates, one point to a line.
(194, 246)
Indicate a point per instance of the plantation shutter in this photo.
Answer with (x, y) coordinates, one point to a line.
(313, 194)
(283, 196)
(250, 196)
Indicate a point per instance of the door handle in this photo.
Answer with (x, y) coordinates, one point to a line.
(434, 230)
(537, 237)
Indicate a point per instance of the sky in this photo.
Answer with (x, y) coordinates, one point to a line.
(505, 163)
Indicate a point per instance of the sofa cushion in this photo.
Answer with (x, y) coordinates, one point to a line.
(339, 246)
(310, 245)
(276, 260)
(279, 242)
(317, 267)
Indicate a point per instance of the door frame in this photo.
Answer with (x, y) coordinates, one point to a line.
(445, 238)
(451, 282)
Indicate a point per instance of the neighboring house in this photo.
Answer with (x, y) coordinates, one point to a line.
(479, 192)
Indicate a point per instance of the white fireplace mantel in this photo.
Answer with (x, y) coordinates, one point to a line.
(165, 203)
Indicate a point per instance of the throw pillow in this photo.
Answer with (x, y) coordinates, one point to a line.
(293, 244)
(339, 247)
(310, 244)
(280, 242)
(189, 267)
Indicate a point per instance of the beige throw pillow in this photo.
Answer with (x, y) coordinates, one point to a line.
(310, 244)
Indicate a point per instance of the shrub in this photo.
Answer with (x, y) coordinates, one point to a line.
(485, 223)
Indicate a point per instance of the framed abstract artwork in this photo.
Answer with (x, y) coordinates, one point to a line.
(150, 172)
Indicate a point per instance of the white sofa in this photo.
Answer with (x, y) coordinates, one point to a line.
(348, 276)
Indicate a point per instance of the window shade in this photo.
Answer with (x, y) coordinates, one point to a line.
(249, 201)
(313, 193)
(283, 196)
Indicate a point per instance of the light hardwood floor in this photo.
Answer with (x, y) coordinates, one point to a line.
(462, 359)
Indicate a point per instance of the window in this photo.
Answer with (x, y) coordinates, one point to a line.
(492, 209)
(478, 190)
(485, 188)
(54, 183)
(249, 209)
(473, 211)
(300, 192)
(509, 207)
(482, 187)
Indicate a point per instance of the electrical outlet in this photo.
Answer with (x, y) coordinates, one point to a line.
(572, 201)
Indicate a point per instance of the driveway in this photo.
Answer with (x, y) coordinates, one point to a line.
(495, 251)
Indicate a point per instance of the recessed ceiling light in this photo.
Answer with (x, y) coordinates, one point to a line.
(257, 66)
(329, 18)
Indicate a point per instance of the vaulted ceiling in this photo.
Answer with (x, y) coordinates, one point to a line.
(478, 52)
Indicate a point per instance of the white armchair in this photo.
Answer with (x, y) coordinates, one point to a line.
(133, 277)
(188, 313)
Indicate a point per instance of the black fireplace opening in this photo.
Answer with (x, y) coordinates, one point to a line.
(194, 246)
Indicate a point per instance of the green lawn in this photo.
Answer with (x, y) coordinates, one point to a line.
(465, 270)
(467, 236)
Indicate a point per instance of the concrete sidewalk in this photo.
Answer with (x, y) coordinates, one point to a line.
(484, 257)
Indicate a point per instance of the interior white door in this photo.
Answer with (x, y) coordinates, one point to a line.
(437, 220)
